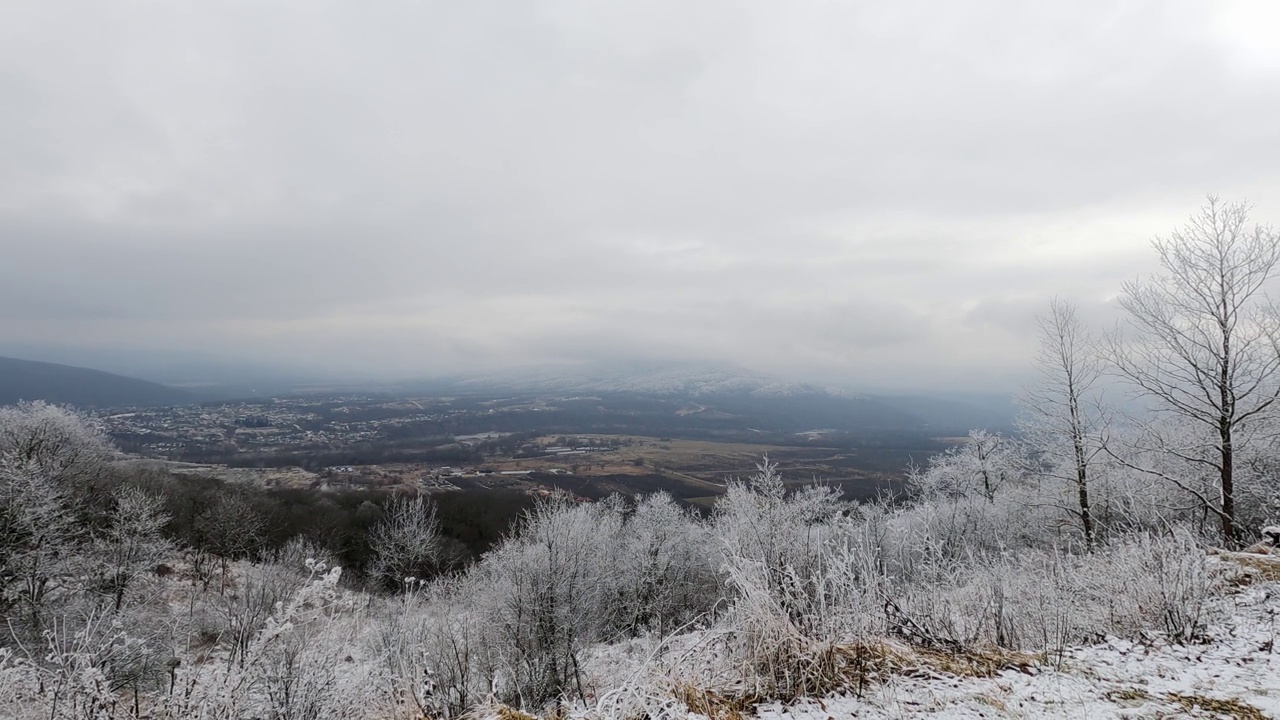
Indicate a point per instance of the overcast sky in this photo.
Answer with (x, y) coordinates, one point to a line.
(873, 193)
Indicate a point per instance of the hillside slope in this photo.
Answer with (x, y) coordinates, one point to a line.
(82, 387)
(1230, 670)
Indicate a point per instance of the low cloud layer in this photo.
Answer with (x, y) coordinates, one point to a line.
(873, 194)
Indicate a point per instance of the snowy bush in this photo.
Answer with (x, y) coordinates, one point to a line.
(439, 655)
(300, 664)
(406, 541)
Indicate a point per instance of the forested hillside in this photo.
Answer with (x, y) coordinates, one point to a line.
(82, 387)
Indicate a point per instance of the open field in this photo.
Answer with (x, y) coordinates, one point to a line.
(695, 471)
(285, 477)
(683, 467)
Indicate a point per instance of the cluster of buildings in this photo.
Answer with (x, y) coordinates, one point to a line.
(258, 425)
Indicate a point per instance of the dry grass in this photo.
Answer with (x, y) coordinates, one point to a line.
(976, 663)
(993, 702)
(1234, 709)
(503, 712)
(847, 669)
(1192, 704)
(1265, 568)
(1129, 697)
(715, 705)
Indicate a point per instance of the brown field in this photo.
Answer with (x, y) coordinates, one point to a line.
(696, 471)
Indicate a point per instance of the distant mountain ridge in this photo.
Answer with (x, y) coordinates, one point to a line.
(749, 394)
(81, 387)
(673, 379)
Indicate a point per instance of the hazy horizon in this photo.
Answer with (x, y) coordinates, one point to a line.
(877, 196)
(220, 375)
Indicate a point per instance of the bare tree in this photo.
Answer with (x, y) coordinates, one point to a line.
(1200, 343)
(229, 529)
(1063, 418)
(406, 542)
(133, 543)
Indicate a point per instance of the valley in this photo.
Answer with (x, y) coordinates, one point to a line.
(692, 471)
(588, 445)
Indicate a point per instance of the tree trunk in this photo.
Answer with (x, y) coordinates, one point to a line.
(1082, 465)
(1226, 421)
(1230, 532)
(1082, 492)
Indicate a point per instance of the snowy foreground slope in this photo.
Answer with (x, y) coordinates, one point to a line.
(1235, 673)
(1231, 671)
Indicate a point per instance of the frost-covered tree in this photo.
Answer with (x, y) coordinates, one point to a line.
(37, 536)
(1062, 419)
(1200, 344)
(53, 465)
(665, 569)
(228, 529)
(59, 441)
(985, 464)
(406, 542)
(133, 543)
(63, 446)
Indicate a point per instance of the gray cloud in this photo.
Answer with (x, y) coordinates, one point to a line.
(878, 194)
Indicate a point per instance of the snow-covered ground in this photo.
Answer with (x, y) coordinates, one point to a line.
(1234, 673)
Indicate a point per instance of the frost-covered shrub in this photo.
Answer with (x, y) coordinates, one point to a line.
(959, 530)
(244, 609)
(546, 592)
(292, 557)
(784, 631)
(305, 662)
(440, 656)
(1172, 582)
(784, 534)
(958, 574)
(802, 579)
(665, 577)
(1257, 498)
(571, 575)
(90, 667)
(1042, 601)
(20, 687)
